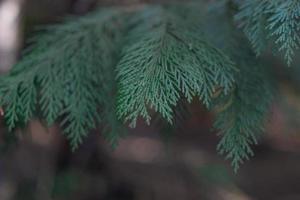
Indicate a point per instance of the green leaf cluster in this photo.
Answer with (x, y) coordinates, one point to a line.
(271, 20)
(117, 65)
(164, 61)
(66, 75)
(242, 115)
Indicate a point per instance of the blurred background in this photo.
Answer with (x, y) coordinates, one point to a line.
(150, 163)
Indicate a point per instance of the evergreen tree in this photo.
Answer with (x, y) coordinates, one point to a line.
(118, 64)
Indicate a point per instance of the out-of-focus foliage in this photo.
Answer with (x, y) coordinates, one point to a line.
(66, 73)
(265, 20)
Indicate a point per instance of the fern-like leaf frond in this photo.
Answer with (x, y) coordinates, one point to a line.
(165, 62)
(284, 25)
(278, 21)
(252, 18)
(63, 72)
(242, 118)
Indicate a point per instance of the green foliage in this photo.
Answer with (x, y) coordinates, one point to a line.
(276, 20)
(252, 18)
(240, 116)
(284, 26)
(66, 73)
(125, 64)
(164, 61)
